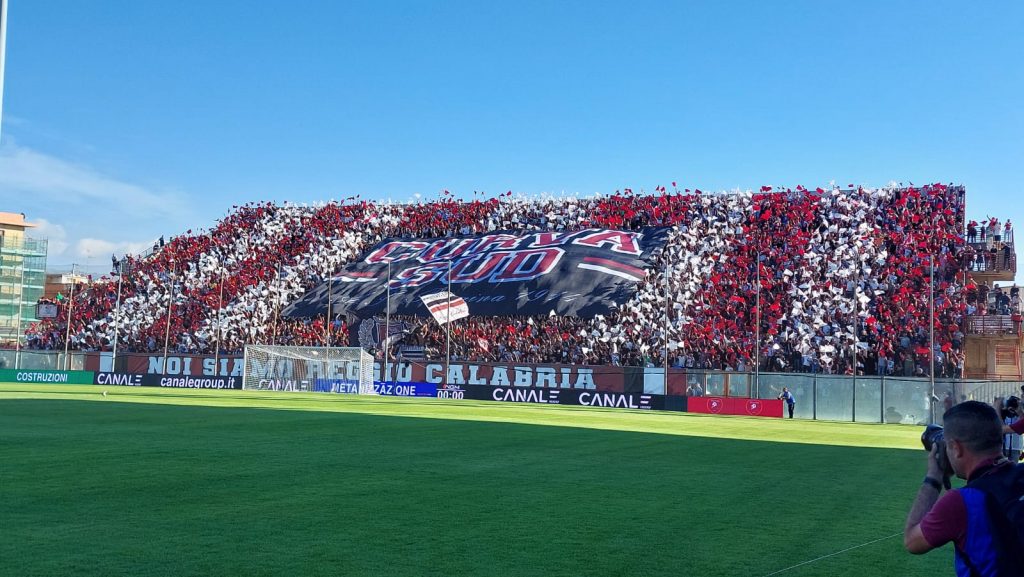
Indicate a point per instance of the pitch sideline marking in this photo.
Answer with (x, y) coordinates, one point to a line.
(834, 554)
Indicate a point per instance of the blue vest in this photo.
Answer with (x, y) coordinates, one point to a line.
(992, 547)
(979, 547)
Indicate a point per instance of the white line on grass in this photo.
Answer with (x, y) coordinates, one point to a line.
(833, 554)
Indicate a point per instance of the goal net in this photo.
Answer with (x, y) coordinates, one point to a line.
(315, 369)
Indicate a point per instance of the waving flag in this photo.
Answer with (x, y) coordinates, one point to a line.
(445, 306)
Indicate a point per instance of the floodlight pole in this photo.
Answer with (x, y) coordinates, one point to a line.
(71, 310)
(21, 301)
(167, 325)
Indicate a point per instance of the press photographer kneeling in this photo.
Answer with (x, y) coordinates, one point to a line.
(984, 519)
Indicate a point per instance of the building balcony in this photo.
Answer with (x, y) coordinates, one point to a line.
(994, 325)
(994, 266)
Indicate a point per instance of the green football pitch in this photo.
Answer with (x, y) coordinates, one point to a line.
(181, 482)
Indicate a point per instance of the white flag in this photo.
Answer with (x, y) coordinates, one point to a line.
(438, 305)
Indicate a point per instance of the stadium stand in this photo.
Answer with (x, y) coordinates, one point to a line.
(839, 270)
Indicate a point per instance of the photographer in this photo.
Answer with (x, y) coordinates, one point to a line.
(1010, 415)
(1015, 427)
(982, 519)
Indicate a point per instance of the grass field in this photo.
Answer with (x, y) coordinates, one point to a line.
(174, 482)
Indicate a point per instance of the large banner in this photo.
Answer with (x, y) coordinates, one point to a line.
(183, 365)
(605, 378)
(581, 273)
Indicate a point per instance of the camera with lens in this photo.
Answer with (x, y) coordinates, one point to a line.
(1011, 407)
(933, 436)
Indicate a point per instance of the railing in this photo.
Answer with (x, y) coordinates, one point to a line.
(989, 262)
(989, 240)
(994, 325)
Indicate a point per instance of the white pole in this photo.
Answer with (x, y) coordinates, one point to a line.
(71, 310)
(330, 294)
(167, 328)
(856, 337)
(668, 305)
(21, 301)
(277, 309)
(3, 54)
(448, 327)
(931, 332)
(387, 326)
(757, 326)
(220, 309)
(117, 311)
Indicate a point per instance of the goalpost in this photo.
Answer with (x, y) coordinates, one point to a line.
(313, 369)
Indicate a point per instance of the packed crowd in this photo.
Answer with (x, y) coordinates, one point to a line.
(981, 300)
(842, 278)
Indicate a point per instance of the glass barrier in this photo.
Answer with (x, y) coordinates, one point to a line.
(802, 387)
(867, 400)
(833, 398)
(715, 385)
(739, 384)
(988, 391)
(39, 360)
(907, 401)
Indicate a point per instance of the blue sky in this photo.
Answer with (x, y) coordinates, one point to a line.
(125, 120)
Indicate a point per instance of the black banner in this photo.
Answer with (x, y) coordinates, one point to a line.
(514, 394)
(118, 379)
(579, 273)
(563, 397)
(619, 400)
(166, 381)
